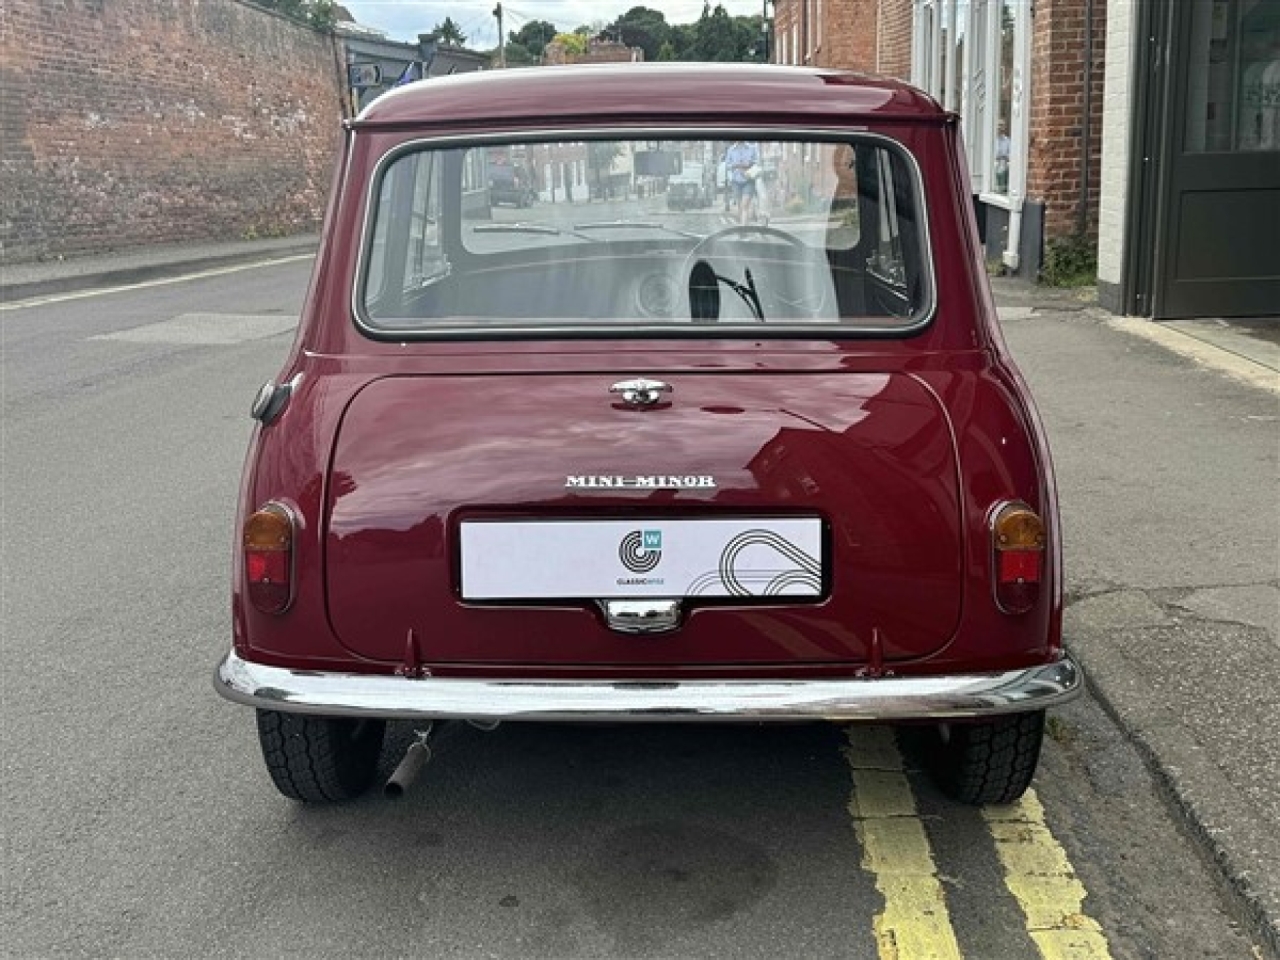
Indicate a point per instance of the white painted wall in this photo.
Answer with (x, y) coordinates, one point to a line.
(1117, 121)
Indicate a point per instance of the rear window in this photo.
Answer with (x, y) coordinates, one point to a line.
(628, 236)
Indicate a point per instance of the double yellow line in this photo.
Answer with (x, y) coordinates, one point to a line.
(915, 923)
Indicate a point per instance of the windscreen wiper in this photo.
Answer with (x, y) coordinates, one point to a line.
(746, 291)
(634, 225)
(704, 295)
(516, 228)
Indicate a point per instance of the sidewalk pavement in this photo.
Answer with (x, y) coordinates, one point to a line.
(1166, 439)
(22, 281)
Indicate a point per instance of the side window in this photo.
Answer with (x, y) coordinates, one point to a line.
(426, 257)
(406, 253)
(891, 241)
(885, 261)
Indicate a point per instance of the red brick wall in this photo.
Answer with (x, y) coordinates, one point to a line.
(848, 35)
(129, 122)
(895, 38)
(1054, 166)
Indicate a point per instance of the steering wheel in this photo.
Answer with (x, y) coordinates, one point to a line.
(746, 228)
(699, 294)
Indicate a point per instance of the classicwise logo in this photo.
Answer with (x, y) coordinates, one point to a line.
(641, 550)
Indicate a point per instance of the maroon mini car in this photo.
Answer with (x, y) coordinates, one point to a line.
(595, 459)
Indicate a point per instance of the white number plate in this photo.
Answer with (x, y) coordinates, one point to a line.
(550, 559)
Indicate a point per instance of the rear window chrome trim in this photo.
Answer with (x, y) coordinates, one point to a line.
(619, 331)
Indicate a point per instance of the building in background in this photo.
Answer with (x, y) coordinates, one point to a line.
(1028, 89)
(1145, 130)
(599, 50)
(376, 63)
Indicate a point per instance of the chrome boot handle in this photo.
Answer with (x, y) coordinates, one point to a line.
(640, 392)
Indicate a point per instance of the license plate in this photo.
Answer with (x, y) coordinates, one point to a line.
(599, 559)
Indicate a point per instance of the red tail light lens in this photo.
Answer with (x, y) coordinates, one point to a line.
(1017, 541)
(268, 558)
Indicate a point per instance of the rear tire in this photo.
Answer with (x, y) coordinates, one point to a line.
(992, 761)
(320, 759)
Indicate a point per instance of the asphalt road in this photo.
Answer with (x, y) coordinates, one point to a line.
(139, 821)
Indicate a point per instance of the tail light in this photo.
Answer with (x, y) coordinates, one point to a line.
(268, 558)
(1017, 541)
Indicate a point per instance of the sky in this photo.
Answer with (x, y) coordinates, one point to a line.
(405, 19)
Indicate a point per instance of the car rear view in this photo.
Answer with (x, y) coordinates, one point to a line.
(613, 455)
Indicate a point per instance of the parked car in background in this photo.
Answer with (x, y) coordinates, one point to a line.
(512, 186)
(689, 189)
(649, 467)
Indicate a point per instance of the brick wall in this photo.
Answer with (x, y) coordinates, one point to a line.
(870, 36)
(129, 122)
(598, 51)
(848, 32)
(895, 23)
(1054, 168)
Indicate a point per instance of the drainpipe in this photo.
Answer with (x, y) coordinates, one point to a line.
(1011, 257)
(1021, 121)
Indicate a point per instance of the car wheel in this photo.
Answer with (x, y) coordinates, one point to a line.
(991, 761)
(320, 759)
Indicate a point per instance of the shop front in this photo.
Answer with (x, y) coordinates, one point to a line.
(1202, 214)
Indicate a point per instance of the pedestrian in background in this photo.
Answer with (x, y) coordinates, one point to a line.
(742, 161)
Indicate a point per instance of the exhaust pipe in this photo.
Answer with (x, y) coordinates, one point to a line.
(408, 770)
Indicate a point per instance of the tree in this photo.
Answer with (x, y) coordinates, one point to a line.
(575, 44)
(450, 33)
(518, 55)
(644, 28)
(601, 154)
(682, 41)
(533, 36)
(718, 36)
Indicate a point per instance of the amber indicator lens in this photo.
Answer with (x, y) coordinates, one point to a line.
(268, 558)
(1017, 540)
(1018, 527)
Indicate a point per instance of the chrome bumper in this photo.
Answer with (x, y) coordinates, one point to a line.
(956, 696)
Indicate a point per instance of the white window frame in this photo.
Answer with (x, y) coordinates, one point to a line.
(1019, 108)
(976, 97)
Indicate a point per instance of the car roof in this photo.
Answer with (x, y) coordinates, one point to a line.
(658, 93)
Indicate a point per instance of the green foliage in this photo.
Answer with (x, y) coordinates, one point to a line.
(644, 28)
(714, 36)
(266, 231)
(717, 36)
(1069, 262)
(450, 33)
(533, 36)
(575, 44)
(1059, 730)
(321, 14)
(519, 55)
